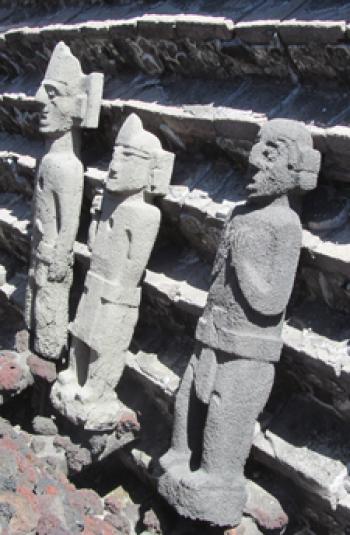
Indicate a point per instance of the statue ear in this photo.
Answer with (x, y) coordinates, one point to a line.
(79, 112)
(94, 87)
(309, 169)
(162, 164)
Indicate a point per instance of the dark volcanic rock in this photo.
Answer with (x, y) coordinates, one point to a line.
(36, 498)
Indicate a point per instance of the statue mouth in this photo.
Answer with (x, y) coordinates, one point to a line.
(43, 118)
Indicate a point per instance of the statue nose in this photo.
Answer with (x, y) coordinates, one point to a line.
(41, 96)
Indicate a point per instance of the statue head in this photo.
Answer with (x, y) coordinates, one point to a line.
(283, 160)
(69, 98)
(139, 162)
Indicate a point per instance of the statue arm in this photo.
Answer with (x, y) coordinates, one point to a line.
(141, 239)
(265, 259)
(67, 207)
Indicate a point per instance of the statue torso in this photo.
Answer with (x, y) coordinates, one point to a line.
(262, 241)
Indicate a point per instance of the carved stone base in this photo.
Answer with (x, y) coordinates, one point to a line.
(83, 408)
(202, 496)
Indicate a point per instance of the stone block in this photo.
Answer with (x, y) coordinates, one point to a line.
(257, 32)
(203, 27)
(304, 32)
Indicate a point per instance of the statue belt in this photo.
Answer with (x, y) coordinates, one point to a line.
(44, 252)
(112, 292)
(247, 344)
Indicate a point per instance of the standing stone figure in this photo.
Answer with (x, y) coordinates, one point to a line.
(231, 372)
(108, 310)
(70, 100)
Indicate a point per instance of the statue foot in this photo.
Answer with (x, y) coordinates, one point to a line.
(84, 407)
(174, 457)
(67, 377)
(200, 495)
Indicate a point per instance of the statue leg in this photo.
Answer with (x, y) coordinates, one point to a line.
(179, 451)
(185, 453)
(29, 299)
(79, 358)
(215, 492)
(67, 390)
(189, 417)
(51, 314)
(240, 393)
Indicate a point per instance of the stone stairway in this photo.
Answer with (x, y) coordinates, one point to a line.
(204, 79)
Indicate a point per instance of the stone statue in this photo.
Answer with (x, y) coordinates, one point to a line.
(108, 310)
(70, 100)
(231, 372)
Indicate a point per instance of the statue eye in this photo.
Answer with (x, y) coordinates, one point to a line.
(51, 92)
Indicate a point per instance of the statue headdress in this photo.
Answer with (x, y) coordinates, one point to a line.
(65, 68)
(305, 160)
(134, 136)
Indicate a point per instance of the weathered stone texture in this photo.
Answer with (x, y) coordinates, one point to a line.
(58, 197)
(35, 498)
(256, 60)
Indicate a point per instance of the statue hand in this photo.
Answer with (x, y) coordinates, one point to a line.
(58, 269)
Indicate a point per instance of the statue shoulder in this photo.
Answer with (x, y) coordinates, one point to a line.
(62, 164)
(278, 217)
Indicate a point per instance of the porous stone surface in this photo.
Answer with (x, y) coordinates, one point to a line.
(42, 369)
(44, 426)
(58, 196)
(35, 498)
(15, 375)
(239, 333)
(108, 310)
(203, 77)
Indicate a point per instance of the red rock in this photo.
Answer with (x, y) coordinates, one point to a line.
(28, 494)
(36, 500)
(87, 500)
(10, 374)
(127, 422)
(96, 526)
(25, 518)
(151, 522)
(8, 443)
(49, 524)
(120, 523)
(42, 368)
(15, 375)
(113, 504)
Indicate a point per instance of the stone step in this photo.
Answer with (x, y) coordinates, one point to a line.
(15, 215)
(195, 127)
(310, 447)
(189, 44)
(18, 160)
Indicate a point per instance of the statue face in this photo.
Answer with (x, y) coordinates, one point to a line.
(271, 173)
(58, 107)
(128, 170)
